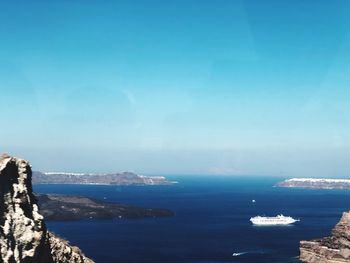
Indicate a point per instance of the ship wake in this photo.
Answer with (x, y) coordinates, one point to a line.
(237, 254)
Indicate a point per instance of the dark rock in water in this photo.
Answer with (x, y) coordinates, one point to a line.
(65, 207)
(333, 249)
(23, 234)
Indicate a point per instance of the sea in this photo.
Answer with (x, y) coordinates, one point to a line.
(211, 222)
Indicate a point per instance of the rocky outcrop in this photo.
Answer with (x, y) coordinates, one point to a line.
(23, 234)
(333, 249)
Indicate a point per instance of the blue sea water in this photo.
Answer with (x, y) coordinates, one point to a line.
(211, 222)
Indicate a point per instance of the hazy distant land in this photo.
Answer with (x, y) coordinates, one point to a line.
(316, 183)
(123, 178)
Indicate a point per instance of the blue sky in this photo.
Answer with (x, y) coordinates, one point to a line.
(177, 87)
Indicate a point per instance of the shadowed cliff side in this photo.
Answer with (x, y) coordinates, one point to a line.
(333, 249)
(23, 234)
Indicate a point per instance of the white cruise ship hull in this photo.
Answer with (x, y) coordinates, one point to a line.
(266, 221)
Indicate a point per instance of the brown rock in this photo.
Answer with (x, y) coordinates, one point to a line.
(23, 234)
(333, 249)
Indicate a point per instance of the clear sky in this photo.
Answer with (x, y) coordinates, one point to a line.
(177, 87)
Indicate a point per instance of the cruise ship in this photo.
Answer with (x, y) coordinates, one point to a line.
(274, 220)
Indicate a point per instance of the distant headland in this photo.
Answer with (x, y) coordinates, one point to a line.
(315, 183)
(122, 178)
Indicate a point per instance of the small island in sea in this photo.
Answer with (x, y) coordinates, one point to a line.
(315, 183)
(122, 178)
(69, 207)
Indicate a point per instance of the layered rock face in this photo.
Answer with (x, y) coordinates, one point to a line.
(333, 249)
(23, 234)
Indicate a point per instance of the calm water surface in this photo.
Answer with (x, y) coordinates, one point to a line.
(211, 222)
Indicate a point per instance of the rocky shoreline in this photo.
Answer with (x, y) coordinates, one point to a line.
(332, 249)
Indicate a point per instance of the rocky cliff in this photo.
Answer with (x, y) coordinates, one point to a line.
(23, 234)
(333, 249)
